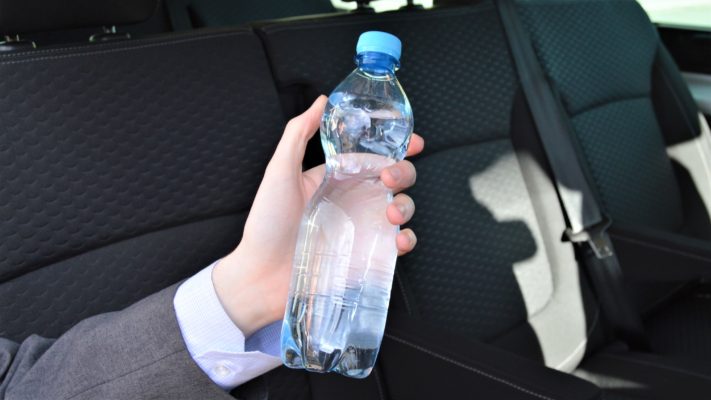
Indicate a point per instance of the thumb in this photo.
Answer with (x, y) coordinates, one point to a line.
(292, 146)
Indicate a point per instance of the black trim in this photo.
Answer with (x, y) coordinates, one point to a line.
(691, 49)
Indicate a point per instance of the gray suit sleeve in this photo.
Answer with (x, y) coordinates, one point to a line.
(135, 353)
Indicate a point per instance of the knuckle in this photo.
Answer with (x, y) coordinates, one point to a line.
(296, 128)
(294, 124)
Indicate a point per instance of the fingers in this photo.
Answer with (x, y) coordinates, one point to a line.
(400, 211)
(399, 176)
(406, 241)
(416, 145)
(402, 175)
(303, 126)
(291, 148)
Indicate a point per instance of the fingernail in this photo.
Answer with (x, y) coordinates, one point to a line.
(411, 237)
(395, 173)
(402, 209)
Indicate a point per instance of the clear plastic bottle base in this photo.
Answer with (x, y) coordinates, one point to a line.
(353, 355)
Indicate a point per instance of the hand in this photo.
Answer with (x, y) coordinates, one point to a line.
(252, 282)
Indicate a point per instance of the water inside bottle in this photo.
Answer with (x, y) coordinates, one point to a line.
(361, 124)
(345, 254)
(343, 272)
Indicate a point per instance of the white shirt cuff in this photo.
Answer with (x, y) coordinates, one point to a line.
(214, 341)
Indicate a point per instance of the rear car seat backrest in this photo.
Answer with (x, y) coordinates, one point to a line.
(190, 14)
(484, 266)
(125, 167)
(614, 84)
(48, 23)
(41, 16)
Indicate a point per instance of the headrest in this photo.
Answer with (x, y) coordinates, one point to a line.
(20, 16)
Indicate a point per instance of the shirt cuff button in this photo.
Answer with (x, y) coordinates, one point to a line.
(221, 370)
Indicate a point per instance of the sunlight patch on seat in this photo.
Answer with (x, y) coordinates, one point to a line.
(550, 290)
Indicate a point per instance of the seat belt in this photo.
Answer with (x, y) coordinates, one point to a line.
(587, 224)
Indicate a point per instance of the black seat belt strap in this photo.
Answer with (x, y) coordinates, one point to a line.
(587, 223)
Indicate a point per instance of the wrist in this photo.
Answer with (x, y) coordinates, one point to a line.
(248, 291)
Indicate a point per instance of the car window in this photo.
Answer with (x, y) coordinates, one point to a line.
(685, 14)
(382, 5)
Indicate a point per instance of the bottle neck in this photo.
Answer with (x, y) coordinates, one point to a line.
(378, 64)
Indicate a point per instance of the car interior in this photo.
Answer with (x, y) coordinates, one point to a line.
(134, 136)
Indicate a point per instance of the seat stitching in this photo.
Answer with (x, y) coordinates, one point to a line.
(608, 102)
(596, 320)
(467, 143)
(669, 249)
(663, 299)
(402, 289)
(468, 367)
(119, 49)
(657, 365)
(99, 46)
(379, 384)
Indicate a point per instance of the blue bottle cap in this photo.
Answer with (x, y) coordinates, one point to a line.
(380, 42)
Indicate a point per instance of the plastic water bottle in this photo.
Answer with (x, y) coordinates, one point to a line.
(345, 253)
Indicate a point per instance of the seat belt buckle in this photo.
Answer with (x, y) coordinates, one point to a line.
(595, 236)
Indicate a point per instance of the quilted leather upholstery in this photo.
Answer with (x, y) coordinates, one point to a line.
(605, 84)
(108, 142)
